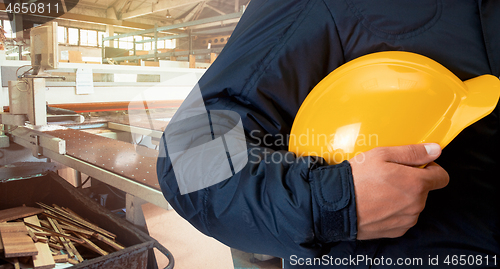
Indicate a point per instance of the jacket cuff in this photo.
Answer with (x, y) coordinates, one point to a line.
(334, 205)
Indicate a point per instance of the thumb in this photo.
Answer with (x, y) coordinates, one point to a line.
(413, 155)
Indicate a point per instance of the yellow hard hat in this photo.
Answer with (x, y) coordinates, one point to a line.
(388, 99)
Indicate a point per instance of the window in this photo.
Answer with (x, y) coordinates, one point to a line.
(83, 38)
(73, 36)
(122, 44)
(8, 29)
(62, 35)
(92, 38)
(88, 37)
(170, 44)
(126, 43)
(161, 44)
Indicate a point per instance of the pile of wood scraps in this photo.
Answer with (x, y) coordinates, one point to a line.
(41, 237)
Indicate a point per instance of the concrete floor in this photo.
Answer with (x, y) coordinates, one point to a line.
(191, 248)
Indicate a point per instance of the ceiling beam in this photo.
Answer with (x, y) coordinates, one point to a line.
(160, 6)
(105, 21)
(110, 13)
(197, 14)
(64, 6)
(120, 4)
(191, 14)
(216, 10)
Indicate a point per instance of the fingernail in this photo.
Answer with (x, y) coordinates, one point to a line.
(432, 149)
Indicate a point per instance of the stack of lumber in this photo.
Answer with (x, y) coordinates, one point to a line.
(41, 237)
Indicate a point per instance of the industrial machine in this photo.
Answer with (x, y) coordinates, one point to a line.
(119, 151)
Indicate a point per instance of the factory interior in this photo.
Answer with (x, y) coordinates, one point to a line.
(88, 87)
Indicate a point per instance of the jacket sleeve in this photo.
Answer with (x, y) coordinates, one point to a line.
(276, 203)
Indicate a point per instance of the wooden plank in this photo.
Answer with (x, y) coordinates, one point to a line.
(192, 61)
(77, 240)
(16, 264)
(58, 228)
(70, 244)
(44, 259)
(32, 235)
(55, 246)
(62, 239)
(18, 212)
(63, 258)
(78, 221)
(45, 224)
(93, 246)
(75, 251)
(71, 227)
(213, 56)
(109, 242)
(10, 227)
(16, 240)
(42, 239)
(42, 234)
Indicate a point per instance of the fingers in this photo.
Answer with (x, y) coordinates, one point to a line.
(412, 155)
(432, 177)
(436, 177)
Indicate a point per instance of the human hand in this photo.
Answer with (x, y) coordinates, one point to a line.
(391, 190)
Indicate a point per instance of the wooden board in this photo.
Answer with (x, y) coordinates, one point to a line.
(18, 212)
(16, 241)
(63, 258)
(44, 259)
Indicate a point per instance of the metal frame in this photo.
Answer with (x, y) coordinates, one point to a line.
(54, 149)
(168, 54)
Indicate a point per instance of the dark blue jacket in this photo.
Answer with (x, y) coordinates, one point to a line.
(283, 206)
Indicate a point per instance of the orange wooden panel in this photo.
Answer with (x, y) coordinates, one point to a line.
(16, 241)
(18, 212)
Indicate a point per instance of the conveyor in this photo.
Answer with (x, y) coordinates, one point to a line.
(118, 157)
(125, 166)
